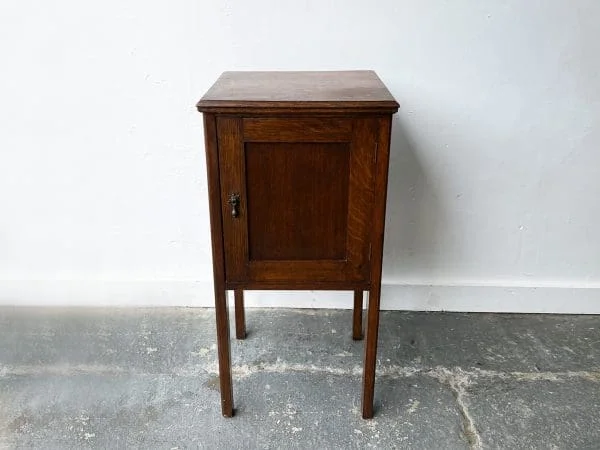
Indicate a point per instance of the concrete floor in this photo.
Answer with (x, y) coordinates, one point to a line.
(147, 378)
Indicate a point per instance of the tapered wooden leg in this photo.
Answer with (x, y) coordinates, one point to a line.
(240, 318)
(223, 345)
(216, 231)
(357, 316)
(370, 352)
(377, 226)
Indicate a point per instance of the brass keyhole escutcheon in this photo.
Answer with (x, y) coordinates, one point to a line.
(234, 201)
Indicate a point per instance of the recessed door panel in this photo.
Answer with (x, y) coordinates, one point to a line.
(297, 196)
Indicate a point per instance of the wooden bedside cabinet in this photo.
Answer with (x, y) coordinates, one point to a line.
(297, 176)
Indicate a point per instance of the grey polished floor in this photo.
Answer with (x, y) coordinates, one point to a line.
(147, 378)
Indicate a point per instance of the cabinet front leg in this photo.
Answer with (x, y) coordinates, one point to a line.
(357, 334)
(371, 351)
(223, 345)
(377, 226)
(240, 317)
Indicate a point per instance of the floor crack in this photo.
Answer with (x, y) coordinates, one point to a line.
(244, 370)
(458, 380)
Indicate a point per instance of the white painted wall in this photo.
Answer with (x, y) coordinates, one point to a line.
(495, 175)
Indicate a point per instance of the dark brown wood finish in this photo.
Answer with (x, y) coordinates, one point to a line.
(357, 333)
(297, 167)
(303, 285)
(293, 221)
(240, 316)
(216, 230)
(324, 129)
(231, 162)
(346, 92)
(361, 196)
(377, 230)
(293, 184)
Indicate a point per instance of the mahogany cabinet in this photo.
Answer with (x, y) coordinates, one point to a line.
(297, 174)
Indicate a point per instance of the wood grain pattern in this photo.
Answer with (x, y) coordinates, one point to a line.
(240, 316)
(276, 129)
(377, 231)
(302, 206)
(299, 285)
(221, 310)
(357, 333)
(232, 169)
(339, 92)
(361, 193)
(307, 153)
(295, 112)
(294, 271)
(297, 198)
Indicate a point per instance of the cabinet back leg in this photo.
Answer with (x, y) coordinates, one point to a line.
(357, 333)
(240, 317)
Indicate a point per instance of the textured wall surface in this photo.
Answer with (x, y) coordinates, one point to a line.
(495, 173)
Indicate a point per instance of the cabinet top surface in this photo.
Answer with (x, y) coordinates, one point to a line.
(358, 91)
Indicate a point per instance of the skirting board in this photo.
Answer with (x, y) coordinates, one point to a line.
(160, 293)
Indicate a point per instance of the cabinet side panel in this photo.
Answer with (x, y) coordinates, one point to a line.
(214, 196)
(380, 193)
(361, 193)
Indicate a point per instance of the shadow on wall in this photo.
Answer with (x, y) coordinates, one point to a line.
(414, 216)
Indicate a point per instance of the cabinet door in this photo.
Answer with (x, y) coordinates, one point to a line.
(297, 197)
